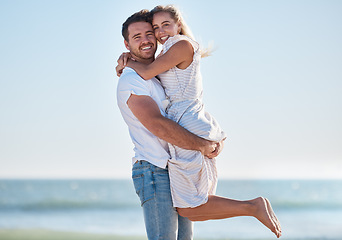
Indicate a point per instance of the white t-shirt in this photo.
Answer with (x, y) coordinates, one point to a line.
(147, 146)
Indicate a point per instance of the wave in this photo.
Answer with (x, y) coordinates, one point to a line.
(296, 205)
(118, 195)
(55, 205)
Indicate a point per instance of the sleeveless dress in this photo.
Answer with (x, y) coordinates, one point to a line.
(192, 176)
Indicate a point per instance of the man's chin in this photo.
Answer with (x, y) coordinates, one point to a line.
(143, 56)
(147, 56)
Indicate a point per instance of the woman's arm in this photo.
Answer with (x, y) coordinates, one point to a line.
(179, 55)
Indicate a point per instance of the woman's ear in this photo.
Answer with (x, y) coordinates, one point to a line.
(179, 27)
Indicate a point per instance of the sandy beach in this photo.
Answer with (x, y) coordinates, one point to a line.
(42, 234)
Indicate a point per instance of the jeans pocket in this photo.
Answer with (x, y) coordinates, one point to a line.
(144, 186)
(138, 181)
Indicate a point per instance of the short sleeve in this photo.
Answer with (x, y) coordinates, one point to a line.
(131, 83)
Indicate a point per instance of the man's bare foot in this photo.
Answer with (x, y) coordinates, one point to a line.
(262, 214)
(273, 216)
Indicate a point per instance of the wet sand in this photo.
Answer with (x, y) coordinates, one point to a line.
(40, 234)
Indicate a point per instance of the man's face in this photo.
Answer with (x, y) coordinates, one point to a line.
(141, 41)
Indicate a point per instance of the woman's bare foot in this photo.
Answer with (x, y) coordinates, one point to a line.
(273, 216)
(263, 215)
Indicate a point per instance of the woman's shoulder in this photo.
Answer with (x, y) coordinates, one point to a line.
(173, 40)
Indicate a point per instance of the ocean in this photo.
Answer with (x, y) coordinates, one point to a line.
(307, 209)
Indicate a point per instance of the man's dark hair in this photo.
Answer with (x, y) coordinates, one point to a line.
(141, 16)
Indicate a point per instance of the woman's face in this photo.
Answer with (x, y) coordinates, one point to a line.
(164, 26)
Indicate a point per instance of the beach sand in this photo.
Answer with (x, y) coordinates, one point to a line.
(40, 234)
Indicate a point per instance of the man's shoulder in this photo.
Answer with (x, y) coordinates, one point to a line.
(129, 74)
(129, 77)
(131, 83)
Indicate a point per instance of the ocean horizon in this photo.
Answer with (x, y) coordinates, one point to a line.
(307, 209)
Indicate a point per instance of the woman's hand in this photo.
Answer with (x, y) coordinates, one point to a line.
(123, 59)
(122, 62)
(119, 70)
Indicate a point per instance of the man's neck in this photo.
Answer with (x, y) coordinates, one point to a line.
(144, 60)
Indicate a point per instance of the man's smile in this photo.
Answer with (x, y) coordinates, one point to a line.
(146, 48)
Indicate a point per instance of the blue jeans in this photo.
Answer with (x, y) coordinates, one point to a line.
(162, 221)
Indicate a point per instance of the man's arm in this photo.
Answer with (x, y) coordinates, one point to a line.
(147, 112)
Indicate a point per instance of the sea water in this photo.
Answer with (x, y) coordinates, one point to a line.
(307, 209)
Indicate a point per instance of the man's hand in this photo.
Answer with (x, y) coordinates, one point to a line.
(208, 148)
(218, 149)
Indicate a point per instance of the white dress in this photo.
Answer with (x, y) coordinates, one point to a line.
(192, 176)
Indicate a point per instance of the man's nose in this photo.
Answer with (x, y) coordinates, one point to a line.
(145, 39)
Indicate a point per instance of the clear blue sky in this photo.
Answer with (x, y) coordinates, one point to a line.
(274, 83)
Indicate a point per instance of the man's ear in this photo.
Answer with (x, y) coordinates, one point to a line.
(127, 45)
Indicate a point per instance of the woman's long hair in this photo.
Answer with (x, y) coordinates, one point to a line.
(177, 17)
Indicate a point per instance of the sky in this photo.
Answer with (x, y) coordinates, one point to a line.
(273, 82)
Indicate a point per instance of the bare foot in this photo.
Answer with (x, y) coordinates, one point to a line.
(263, 215)
(273, 216)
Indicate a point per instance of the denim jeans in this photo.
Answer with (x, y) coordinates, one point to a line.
(162, 221)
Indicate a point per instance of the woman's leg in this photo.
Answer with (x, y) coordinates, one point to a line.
(220, 208)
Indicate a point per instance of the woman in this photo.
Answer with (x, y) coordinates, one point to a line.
(193, 177)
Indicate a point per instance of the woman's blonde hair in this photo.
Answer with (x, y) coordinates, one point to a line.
(177, 17)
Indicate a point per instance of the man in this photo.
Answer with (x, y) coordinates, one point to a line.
(141, 105)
